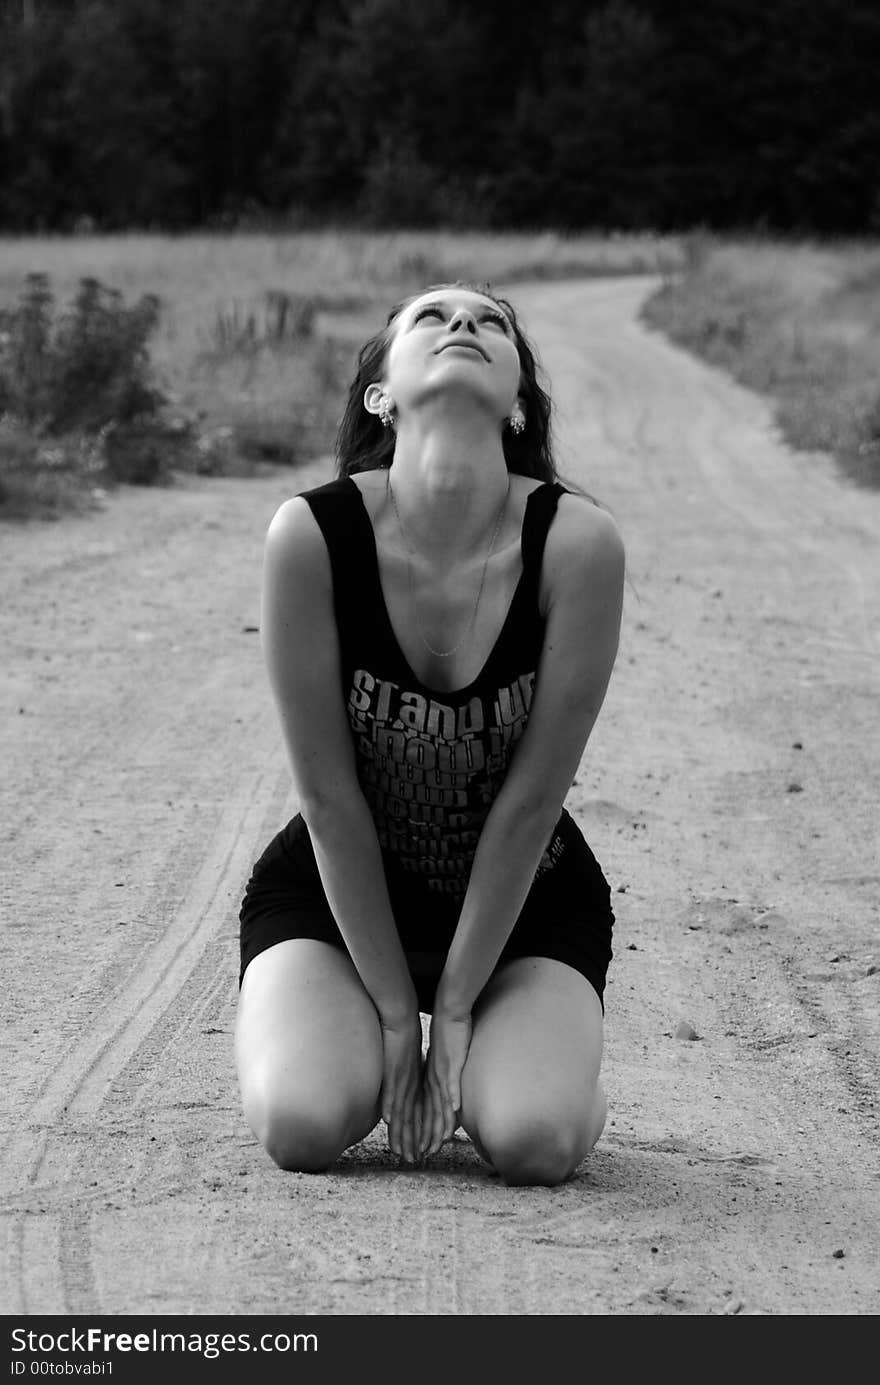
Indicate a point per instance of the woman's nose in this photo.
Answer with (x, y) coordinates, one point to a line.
(463, 320)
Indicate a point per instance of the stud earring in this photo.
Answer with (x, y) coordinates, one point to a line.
(386, 411)
(517, 420)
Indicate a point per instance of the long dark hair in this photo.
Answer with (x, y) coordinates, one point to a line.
(362, 444)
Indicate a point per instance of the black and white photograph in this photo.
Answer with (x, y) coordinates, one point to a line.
(440, 678)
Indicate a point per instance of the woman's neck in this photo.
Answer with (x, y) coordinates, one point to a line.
(449, 481)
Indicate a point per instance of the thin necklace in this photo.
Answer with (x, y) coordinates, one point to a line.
(445, 653)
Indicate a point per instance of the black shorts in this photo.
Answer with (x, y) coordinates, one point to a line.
(567, 914)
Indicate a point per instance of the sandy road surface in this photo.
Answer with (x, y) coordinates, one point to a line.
(730, 790)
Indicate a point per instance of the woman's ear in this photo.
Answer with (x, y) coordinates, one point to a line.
(373, 399)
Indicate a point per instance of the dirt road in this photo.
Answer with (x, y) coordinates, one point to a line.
(730, 790)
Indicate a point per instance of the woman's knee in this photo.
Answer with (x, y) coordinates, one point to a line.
(306, 1132)
(308, 1052)
(303, 1141)
(530, 1151)
(539, 1147)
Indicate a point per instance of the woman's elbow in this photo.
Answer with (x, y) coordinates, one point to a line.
(531, 812)
(329, 809)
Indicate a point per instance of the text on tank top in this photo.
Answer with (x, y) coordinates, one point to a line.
(430, 764)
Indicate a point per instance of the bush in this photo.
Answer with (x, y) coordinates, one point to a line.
(83, 369)
(78, 384)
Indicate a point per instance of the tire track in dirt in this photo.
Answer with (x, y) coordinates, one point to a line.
(128, 1181)
(45, 1159)
(79, 1086)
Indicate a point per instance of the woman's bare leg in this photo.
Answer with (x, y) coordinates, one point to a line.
(308, 1049)
(531, 1098)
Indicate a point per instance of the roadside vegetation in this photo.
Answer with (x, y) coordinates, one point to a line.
(77, 398)
(128, 358)
(797, 321)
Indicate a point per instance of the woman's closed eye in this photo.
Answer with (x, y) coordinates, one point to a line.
(492, 317)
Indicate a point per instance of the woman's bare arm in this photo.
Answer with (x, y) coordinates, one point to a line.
(301, 650)
(583, 576)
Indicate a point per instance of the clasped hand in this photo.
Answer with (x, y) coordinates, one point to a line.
(421, 1101)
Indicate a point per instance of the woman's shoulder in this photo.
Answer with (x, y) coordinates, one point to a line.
(337, 491)
(297, 515)
(584, 539)
(296, 533)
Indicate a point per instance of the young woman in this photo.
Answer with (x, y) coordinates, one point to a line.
(439, 626)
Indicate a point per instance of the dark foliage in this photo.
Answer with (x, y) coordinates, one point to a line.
(82, 369)
(76, 386)
(575, 113)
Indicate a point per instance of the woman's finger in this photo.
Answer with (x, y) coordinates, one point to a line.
(429, 1107)
(417, 1127)
(385, 1099)
(398, 1122)
(437, 1122)
(394, 1132)
(407, 1145)
(395, 1113)
(453, 1091)
(426, 1118)
(449, 1120)
(387, 1108)
(404, 1124)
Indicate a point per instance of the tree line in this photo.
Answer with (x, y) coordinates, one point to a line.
(629, 114)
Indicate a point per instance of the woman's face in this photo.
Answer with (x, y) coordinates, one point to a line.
(457, 342)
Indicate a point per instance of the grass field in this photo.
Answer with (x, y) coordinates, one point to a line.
(258, 333)
(798, 321)
(264, 387)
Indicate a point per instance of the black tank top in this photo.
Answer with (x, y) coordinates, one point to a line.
(430, 763)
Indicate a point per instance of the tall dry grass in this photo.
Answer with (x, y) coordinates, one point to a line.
(258, 333)
(253, 393)
(196, 276)
(798, 321)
